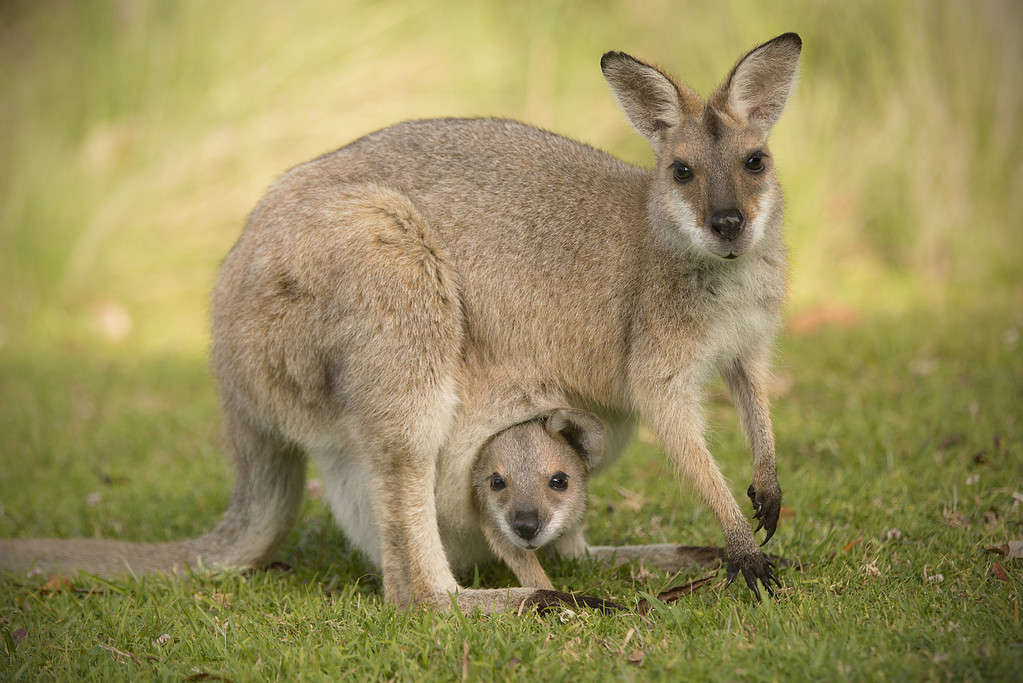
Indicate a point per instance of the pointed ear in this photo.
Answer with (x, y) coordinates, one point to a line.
(580, 430)
(650, 98)
(759, 85)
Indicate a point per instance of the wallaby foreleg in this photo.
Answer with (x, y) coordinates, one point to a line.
(676, 420)
(746, 381)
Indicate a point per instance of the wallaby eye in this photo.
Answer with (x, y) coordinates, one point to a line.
(496, 482)
(681, 172)
(755, 162)
(559, 482)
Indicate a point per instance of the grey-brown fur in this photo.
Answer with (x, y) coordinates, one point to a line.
(394, 303)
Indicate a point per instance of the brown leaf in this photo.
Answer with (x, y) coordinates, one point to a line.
(55, 584)
(950, 440)
(1002, 549)
(636, 657)
(18, 636)
(852, 544)
(673, 594)
(998, 571)
(830, 314)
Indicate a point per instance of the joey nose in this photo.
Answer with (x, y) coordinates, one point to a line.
(727, 224)
(525, 524)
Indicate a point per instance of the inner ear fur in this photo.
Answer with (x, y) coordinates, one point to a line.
(756, 90)
(582, 431)
(651, 99)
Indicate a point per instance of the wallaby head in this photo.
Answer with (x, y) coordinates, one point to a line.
(530, 479)
(714, 189)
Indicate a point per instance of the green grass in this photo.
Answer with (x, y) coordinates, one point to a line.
(918, 430)
(138, 135)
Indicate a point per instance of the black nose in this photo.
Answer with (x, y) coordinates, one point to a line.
(727, 224)
(525, 524)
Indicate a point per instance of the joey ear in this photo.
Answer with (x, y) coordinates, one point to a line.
(759, 85)
(580, 430)
(650, 98)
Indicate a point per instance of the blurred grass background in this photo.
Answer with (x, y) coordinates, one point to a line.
(137, 135)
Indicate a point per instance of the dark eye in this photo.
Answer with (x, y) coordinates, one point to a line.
(681, 172)
(755, 162)
(559, 482)
(496, 482)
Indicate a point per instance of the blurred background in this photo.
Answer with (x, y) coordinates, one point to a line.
(136, 136)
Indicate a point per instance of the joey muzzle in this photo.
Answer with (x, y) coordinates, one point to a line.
(525, 523)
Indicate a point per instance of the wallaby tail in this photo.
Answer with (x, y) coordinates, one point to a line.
(264, 502)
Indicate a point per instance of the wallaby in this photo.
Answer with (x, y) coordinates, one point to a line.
(529, 483)
(392, 304)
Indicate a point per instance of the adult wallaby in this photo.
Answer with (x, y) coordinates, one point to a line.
(392, 304)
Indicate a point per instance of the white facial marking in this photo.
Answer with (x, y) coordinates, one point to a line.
(765, 207)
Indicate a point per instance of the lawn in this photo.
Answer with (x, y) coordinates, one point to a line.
(138, 135)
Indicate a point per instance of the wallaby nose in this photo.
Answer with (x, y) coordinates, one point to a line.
(727, 224)
(525, 524)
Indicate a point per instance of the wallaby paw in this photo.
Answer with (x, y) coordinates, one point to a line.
(755, 567)
(766, 508)
(545, 601)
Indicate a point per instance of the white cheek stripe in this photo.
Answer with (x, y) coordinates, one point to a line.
(764, 209)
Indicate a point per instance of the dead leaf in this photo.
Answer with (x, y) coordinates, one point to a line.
(852, 544)
(950, 440)
(672, 594)
(1015, 551)
(55, 584)
(998, 571)
(18, 636)
(831, 314)
(636, 657)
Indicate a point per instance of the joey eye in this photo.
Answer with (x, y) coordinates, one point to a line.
(559, 482)
(496, 482)
(755, 162)
(681, 172)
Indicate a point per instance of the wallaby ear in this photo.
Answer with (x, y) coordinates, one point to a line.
(759, 85)
(580, 430)
(650, 98)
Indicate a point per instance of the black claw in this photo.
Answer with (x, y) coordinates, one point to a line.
(770, 532)
(751, 581)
